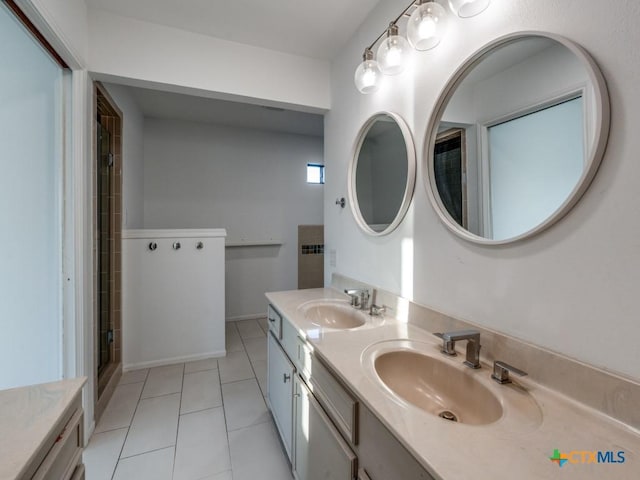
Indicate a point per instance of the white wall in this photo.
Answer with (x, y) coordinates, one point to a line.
(132, 156)
(572, 288)
(190, 63)
(31, 204)
(250, 182)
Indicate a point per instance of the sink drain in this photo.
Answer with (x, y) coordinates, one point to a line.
(448, 415)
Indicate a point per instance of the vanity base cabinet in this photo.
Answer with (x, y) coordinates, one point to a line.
(326, 430)
(381, 456)
(320, 451)
(280, 374)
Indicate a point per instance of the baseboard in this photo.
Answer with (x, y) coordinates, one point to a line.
(169, 361)
(254, 316)
(109, 389)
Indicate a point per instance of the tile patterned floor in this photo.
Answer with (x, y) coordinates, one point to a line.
(203, 420)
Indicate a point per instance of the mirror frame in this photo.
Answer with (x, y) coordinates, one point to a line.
(593, 156)
(411, 174)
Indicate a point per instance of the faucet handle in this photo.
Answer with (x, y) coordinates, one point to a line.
(501, 372)
(448, 346)
(377, 310)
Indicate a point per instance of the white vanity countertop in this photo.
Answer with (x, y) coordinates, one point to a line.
(506, 449)
(27, 417)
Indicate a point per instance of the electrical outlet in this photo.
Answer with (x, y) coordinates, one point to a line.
(332, 257)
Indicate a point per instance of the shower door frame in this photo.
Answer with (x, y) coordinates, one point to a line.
(106, 112)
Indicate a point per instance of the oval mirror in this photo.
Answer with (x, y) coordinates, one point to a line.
(382, 173)
(516, 137)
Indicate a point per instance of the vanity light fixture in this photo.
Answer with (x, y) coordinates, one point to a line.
(426, 25)
(424, 29)
(368, 73)
(392, 52)
(468, 8)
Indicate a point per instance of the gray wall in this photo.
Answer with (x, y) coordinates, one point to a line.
(250, 182)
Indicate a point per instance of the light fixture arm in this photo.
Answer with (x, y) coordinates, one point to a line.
(394, 23)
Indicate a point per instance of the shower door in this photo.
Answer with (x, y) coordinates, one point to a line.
(105, 239)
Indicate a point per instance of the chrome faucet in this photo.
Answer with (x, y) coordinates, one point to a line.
(359, 298)
(472, 337)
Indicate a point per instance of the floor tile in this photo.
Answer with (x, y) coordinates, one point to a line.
(156, 465)
(154, 425)
(134, 376)
(163, 381)
(264, 324)
(256, 349)
(233, 343)
(202, 449)
(235, 366)
(101, 455)
(244, 404)
(260, 369)
(200, 365)
(220, 476)
(249, 329)
(267, 458)
(201, 390)
(121, 407)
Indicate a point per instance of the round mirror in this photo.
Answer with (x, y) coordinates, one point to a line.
(382, 173)
(516, 137)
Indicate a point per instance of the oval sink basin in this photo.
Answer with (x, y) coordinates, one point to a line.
(334, 315)
(438, 387)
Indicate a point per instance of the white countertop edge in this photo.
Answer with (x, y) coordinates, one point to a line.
(178, 233)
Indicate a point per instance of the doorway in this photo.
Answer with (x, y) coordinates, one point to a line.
(107, 168)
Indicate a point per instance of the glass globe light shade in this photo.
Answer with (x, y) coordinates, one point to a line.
(426, 25)
(368, 74)
(468, 8)
(392, 53)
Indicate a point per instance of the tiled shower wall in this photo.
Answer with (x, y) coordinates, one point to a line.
(111, 119)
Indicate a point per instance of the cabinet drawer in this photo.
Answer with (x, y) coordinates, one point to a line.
(66, 453)
(275, 322)
(289, 339)
(341, 406)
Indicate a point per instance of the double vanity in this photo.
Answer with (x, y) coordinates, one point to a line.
(366, 384)
(367, 391)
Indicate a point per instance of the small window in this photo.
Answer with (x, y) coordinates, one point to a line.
(315, 173)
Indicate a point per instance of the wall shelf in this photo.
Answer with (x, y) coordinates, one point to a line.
(262, 243)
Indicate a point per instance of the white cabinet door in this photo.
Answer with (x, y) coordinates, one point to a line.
(320, 452)
(280, 390)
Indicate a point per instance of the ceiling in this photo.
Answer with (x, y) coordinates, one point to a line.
(175, 106)
(312, 28)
